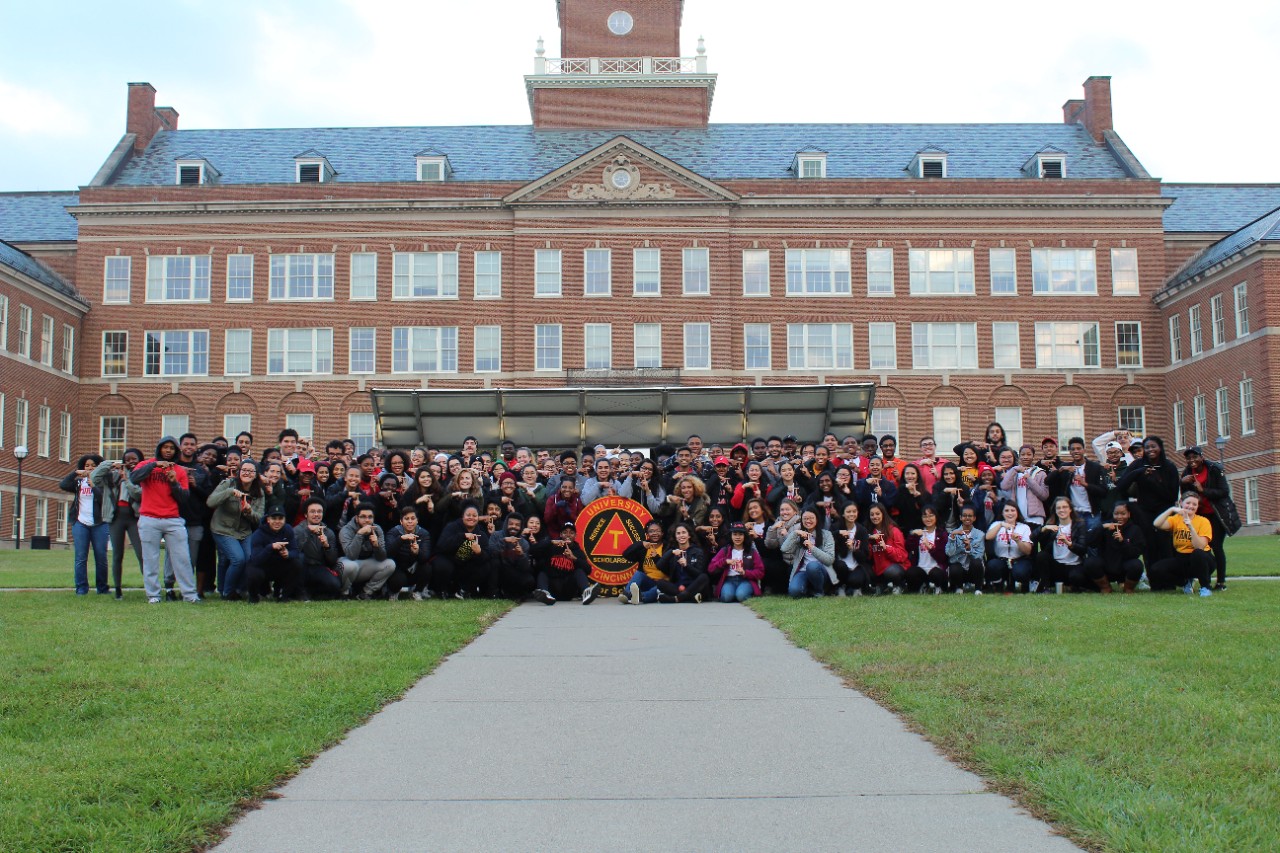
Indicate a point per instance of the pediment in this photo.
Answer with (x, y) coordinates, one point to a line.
(621, 171)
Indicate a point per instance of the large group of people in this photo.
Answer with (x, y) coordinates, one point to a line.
(847, 517)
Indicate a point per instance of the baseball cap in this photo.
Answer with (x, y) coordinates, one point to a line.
(276, 510)
(1195, 448)
(568, 525)
(1048, 439)
(1114, 445)
(722, 460)
(737, 527)
(305, 465)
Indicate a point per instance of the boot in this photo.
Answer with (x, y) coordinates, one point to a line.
(1104, 585)
(1130, 586)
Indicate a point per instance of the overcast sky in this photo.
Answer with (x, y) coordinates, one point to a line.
(1192, 85)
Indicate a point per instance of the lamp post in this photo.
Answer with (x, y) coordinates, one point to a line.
(1221, 442)
(19, 453)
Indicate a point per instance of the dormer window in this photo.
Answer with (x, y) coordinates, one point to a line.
(433, 166)
(1052, 167)
(193, 171)
(930, 162)
(311, 167)
(810, 165)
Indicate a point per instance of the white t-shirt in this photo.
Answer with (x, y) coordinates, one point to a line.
(1079, 494)
(1005, 544)
(1062, 553)
(926, 542)
(735, 555)
(84, 513)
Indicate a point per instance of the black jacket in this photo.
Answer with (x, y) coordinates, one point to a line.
(1059, 483)
(1155, 486)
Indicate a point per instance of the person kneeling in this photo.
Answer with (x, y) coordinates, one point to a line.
(274, 558)
(364, 555)
(410, 547)
(318, 550)
(738, 566)
(562, 569)
(1120, 545)
(1192, 543)
(811, 552)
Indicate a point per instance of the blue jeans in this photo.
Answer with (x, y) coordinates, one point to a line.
(96, 535)
(736, 589)
(648, 588)
(810, 578)
(236, 552)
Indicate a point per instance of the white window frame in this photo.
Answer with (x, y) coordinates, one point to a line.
(597, 339)
(1042, 160)
(1070, 423)
(362, 277)
(1200, 412)
(4, 322)
(548, 347)
(163, 279)
(175, 424)
(693, 346)
(237, 267)
(878, 346)
(1083, 267)
(1247, 424)
(2, 412)
(362, 429)
(1222, 405)
(117, 284)
(424, 349)
(124, 357)
(965, 344)
(25, 319)
(486, 280)
(181, 165)
(1136, 328)
(884, 421)
(1175, 338)
(285, 283)
(803, 351)
(1124, 273)
(1217, 321)
(646, 272)
(548, 273)
(68, 348)
(369, 351)
(754, 347)
(695, 271)
(836, 270)
(1052, 336)
(195, 338)
(1252, 504)
(21, 422)
(233, 424)
(811, 166)
(303, 422)
(44, 431)
(64, 437)
(1006, 354)
(1194, 327)
(1007, 265)
(947, 426)
(432, 169)
(934, 159)
(322, 170)
(482, 347)
(438, 267)
(109, 446)
(941, 272)
(47, 329)
(42, 516)
(597, 272)
(1179, 423)
(879, 272)
(1010, 418)
(1240, 298)
(241, 350)
(641, 350)
(755, 273)
(1125, 419)
(282, 349)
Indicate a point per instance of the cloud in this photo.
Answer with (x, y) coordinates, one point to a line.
(30, 112)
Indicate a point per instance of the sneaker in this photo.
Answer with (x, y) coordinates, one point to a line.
(427, 595)
(543, 596)
(171, 595)
(1189, 588)
(404, 594)
(120, 595)
(937, 590)
(958, 591)
(877, 591)
(697, 598)
(155, 599)
(840, 592)
(415, 595)
(254, 598)
(460, 595)
(895, 589)
(364, 596)
(1205, 592)
(633, 593)
(969, 587)
(1220, 586)
(195, 599)
(1035, 586)
(624, 595)
(664, 598)
(1144, 585)
(977, 592)
(590, 593)
(857, 593)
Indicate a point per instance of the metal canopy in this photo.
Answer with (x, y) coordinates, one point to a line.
(630, 417)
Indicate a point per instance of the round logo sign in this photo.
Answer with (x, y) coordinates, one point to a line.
(606, 528)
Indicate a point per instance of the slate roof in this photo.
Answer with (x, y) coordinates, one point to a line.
(1217, 207)
(38, 217)
(1266, 229)
(22, 262)
(718, 152)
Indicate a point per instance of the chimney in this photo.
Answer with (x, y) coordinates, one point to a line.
(144, 121)
(1097, 106)
(1071, 111)
(168, 117)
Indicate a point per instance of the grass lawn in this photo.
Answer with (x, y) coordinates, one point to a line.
(128, 727)
(1136, 723)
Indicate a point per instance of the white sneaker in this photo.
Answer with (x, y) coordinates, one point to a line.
(415, 595)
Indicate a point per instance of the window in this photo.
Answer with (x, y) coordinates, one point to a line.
(237, 356)
(64, 519)
(1129, 344)
(1217, 321)
(1246, 407)
(24, 331)
(697, 272)
(1222, 399)
(937, 346)
(1240, 294)
(116, 274)
(1133, 419)
(364, 276)
(1070, 423)
(111, 436)
(488, 275)
(311, 171)
(361, 429)
(817, 272)
(68, 349)
(941, 271)
(233, 425)
(646, 272)
(597, 272)
(811, 167)
(648, 344)
(1004, 272)
(597, 346)
(42, 517)
(46, 340)
(305, 424)
(239, 278)
(424, 349)
(178, 278)
(184, 353)
(362, 355)
(432, 168)
(488, 349)
(882, 345)
(1200, 408)
(1010, 417)
(21, 412)
(64, 437)
(1006, 346)
(1252, 508)
(546, 273)
(546, 346)
(946, 426)
(1124, 272)
(1, 425)
(424, 275)
(1067, 345)
(755, 272)
(819, 346)
(299, 351)
(4, 322)
(189, 173)
(1063, 271)
(44, 424)
(879, 272)
(1175, 338)
(1193, 325)
(933, 167)
(115, 353)
(884, 421)
(1179, 422)
(697, 346)
(301, 277)
(1052, 168)
(174, 424)
(757, 346)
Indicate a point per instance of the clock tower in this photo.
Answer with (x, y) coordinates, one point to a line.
(620, 67)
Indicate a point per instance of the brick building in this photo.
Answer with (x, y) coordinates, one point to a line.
(1026, 273)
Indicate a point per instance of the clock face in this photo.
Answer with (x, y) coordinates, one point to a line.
(621, 179)
(620, 23)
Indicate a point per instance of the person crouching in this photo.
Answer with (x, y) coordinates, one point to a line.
(274, 558)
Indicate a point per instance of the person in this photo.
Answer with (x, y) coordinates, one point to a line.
(364, 557)
(685, 565)
(985, 497)
(463, 490)
(989, 449)
(1206, 479)
(531, 495)
(810, 550)
(91, 527)
(563, 505)
(409, 546)
(164, 490)
(317, 547)
(889, 556)
(1079, 480)
(874, 488)
(787, 487)
(930, 566)
(967, 554)
(422, 494)
(509, 553)
(274, 559)
(462, 557)
(910, 498)
(687, 502)
(950, 495)
(193, 511)
(387, 501)
(1114, 465)
(1119, 544)
(642, 587)
(889, 462)
(562, 569)
(853, 551)
(929, 465)
(1010, 568)
(239, 508)
(754, 485)
(1153, 483)
(1025, 482)
(1192, 544)
(737, 567)
(1063, 545)
(125, 499)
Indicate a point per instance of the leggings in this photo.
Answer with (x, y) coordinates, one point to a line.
(124, 521)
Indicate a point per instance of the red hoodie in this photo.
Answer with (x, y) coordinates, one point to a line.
(158, 500)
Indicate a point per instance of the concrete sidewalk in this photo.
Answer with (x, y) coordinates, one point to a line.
(661, 727)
